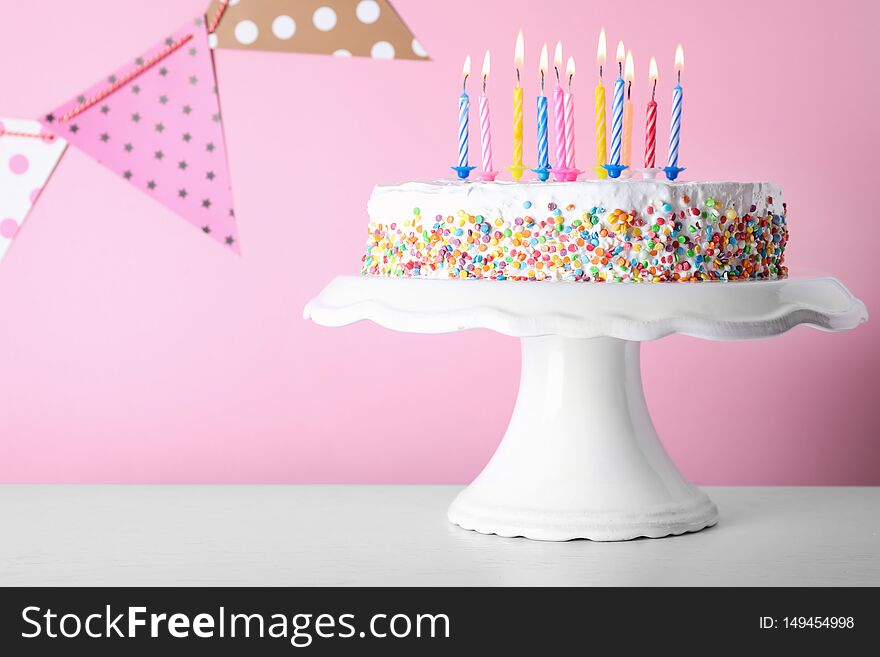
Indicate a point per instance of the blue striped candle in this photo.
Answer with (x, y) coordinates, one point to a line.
(675, 126)
(464, 106)
(617, 112)
(672, 168)
(617, 121)
(543, 156)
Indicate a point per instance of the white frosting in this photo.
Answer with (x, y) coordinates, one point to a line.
(627, 229)
(505, 199)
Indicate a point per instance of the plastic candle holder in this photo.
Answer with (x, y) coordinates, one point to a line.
(543, 173)
(614, 170)
(463, 172)
(672, 172)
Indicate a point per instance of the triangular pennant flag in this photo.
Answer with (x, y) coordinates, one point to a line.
(28, 156)
(363, 28)
(156, 122)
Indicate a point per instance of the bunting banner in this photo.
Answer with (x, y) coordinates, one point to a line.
(28, 156)
(361, 28)
(156, 122)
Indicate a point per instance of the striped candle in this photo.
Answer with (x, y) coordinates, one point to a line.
(543, 156)
(543, 168)
(651, 135)
(651, 123)
(517, 168)
(559, 121)
(617, 109)
(568, 99)
(568, 102)
(518, 132)
(628, 75)
(464, 106)
(675, 124)
(485, 134)
(601, 146)
(486, 125)
(617, 122)
(559, 110)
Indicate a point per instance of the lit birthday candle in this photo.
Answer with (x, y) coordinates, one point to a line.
(543, 168)
(464, 106)
(651, 122)
(617, 108)
(615, 166)
(628, 76)
(672, 169)
(568, 100)
(559, 113)
(488, 172)
(517, 168)
(601, 149)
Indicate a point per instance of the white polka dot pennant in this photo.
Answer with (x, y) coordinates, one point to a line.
(28, 155)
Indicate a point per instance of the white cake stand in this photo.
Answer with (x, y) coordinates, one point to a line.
(581, 458)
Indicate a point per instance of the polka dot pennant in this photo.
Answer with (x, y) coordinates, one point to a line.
(361, 28)
(156, 123)
(26, 162)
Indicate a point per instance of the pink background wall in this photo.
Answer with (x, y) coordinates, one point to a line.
(132, 349)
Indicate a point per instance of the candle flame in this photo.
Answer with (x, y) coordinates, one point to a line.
(679, 58)
(600, 52)
(652, 70)
(629, 69)
(486, 65)
(557, 57)
(569, 68)
(518, 52)
(543, 65)
(621, 52)
(466, 69)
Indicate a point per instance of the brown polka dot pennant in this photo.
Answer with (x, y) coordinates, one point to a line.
(345, 28)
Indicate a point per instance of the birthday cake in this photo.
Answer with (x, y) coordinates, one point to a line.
(625, 230)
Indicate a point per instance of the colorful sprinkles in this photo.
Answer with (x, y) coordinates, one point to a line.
(656, 243)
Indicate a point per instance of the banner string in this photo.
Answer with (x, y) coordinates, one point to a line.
(45, 136)
(121, 82)
(125, 79)
(217, 16)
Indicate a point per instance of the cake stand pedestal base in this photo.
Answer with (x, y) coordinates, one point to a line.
(581, 459)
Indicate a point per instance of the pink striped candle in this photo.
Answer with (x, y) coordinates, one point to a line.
(568, 101)
(488, 172)
(569, 130)
(559, 112)
(651, 124)
(485, 134)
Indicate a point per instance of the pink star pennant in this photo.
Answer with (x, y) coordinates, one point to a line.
(156, 122)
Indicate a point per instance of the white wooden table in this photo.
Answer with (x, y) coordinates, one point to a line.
(398, 535)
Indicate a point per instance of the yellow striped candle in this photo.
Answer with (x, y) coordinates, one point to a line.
(518, 129)
(601, 147)
(517, 168)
